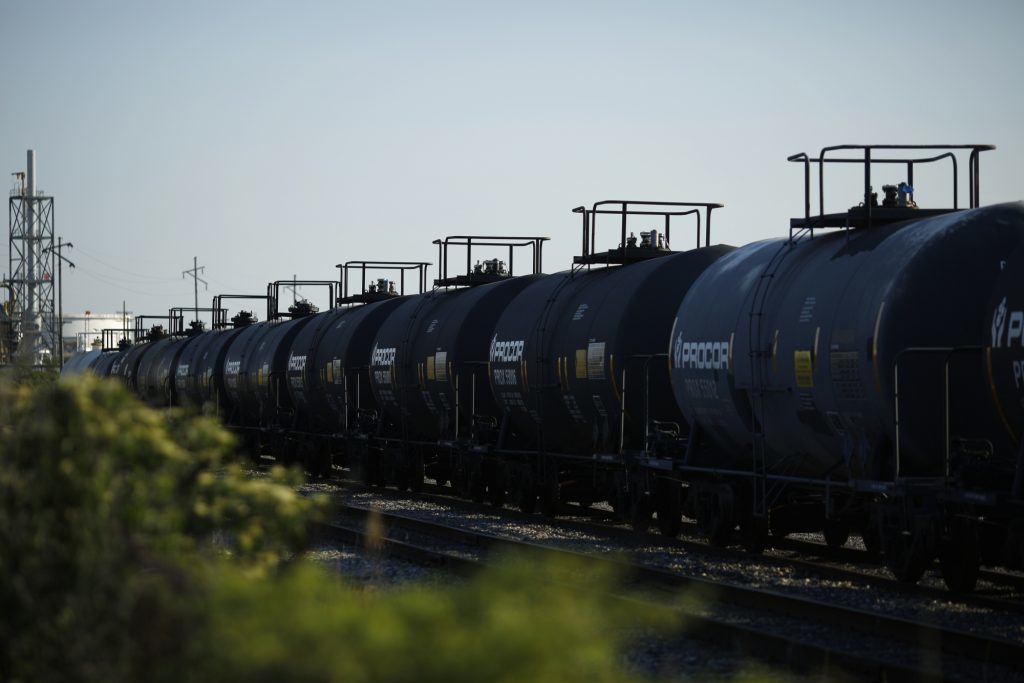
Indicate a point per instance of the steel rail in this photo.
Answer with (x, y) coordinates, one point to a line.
(984, 650)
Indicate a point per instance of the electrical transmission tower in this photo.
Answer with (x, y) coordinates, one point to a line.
(32, 321)
(194, 273)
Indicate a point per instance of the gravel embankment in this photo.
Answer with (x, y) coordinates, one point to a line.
(739, 569)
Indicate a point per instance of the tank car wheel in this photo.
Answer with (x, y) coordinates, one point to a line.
(641, 511)
(754, 532)
(401, 479)
(619, 495)
(322, 465)
(960, 555)
(498, 484)
(415, 473)
(669, 504)
(477, 487)
(872, 538)
(904, 556)
(526, 491)
(716, 515)
(460, 477)
(252, 447)
(550, 494)
(836, 534)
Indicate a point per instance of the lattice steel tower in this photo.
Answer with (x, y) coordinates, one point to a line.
(33, 323)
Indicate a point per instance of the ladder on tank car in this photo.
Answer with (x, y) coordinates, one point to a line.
(759, 372)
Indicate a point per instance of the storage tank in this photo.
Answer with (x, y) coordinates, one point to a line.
(818, 329)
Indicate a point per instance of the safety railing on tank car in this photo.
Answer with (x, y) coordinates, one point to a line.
(141, 333)
(114, 338)
(222, 322)
(479, 275)
(274, 293)
(668, 211)
(176, 317)
(823, 220)
(371, 293)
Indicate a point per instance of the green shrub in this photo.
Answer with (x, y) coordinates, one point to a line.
(131, 550)
(105, 507)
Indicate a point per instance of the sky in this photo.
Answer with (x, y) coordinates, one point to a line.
(272, 139)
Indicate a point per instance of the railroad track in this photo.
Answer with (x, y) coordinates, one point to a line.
(464, 550)
(1008, 597)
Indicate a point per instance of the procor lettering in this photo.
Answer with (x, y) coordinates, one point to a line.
(506, 351)
(382, 355)
(700, 355)
(296, 363)
(1007, 327)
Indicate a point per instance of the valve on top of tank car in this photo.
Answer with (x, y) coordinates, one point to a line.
(302, 308)
(382, 286)
(649, 239)
(243, 318)
(653, 240)
(898, 196)
(491, 267)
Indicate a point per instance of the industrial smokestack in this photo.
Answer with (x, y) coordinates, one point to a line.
(31, 173)
(33, 257)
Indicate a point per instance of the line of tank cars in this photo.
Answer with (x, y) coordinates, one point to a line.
(863, 374)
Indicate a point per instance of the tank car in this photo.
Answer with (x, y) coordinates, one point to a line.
(860, 374)
(255, 366)
(126, 365)
(157, 369)
(579, 368)
(428, 370)
(328, 371)
(199, 375)
(80, 362)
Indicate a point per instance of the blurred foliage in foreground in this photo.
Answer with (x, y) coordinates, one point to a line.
(131, 549)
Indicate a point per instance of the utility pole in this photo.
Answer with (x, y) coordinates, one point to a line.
(58, 250)
(294, 287)
(194, 272)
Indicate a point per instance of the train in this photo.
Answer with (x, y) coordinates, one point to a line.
(863, 374)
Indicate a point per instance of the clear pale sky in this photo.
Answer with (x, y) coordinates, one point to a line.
(279, 138)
